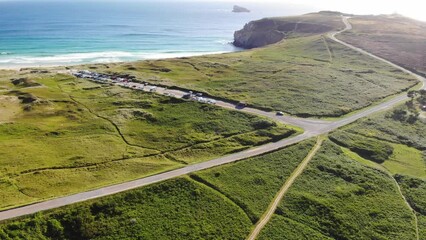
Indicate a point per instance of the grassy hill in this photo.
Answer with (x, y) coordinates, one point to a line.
(366, 182)
(221, 203)
(339, 198)
(396, 38)
(66, 135)
(177, 209)
(309, 76)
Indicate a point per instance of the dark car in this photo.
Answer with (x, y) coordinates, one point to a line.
(187, 96)
(241, 105)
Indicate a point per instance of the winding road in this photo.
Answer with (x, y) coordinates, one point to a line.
(312, 128)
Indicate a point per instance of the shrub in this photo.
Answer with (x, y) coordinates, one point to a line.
(373, 150)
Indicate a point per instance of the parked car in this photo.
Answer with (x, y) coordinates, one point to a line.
(280, 113)
(241, 105)
(187, 96)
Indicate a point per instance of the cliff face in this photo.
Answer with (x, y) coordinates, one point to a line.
(258, 34)
(272, 30)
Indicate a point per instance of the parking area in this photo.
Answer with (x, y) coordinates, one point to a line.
(128, 81)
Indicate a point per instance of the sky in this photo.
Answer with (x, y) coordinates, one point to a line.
(410, 8)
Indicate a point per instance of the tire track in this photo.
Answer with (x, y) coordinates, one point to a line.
(284, 189)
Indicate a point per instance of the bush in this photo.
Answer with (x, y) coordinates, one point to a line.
(54, 229)
(263, 124)
(374, 150)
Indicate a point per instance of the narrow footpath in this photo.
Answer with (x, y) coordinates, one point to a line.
(280, 195)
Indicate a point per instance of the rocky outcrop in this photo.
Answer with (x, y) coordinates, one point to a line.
(239, 9)
(272, 30)
(258, 34)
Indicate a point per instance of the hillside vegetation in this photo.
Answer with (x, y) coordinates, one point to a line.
(67, 135)
(220, 203)
(414, 190)
(253, 183)
(177, 209)
(338, 198)
(268, 31)
(305, 76)
(366, 182)
(396, 38)
(389, 138)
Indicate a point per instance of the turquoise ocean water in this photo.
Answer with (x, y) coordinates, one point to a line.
(34, 33)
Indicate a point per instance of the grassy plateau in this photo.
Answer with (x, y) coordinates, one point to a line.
(402, 40)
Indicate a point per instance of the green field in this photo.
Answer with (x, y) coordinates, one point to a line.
(384, 126)
(335, 198)
(310, 76)
(402, 41)
(176, 209)
(253, 183)
(220, 203)
(74, 135)
(60, 135)
(414, 190)
(339, 198)
(399, 144)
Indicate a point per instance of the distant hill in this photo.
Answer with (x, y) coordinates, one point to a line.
(405, 42)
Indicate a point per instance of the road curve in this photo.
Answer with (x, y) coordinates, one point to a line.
(312, 128)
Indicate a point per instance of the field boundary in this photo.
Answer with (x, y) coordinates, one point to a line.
(200, 180)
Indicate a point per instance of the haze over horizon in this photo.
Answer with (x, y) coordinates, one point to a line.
(408, 8)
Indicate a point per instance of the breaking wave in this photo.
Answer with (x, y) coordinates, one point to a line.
(94, 57)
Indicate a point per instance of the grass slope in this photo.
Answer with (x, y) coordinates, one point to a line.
(182, 208)
(385, 127)
(284, 228)
(176, 209)
(341, 199)
(73, 135)
(414, 190)
(396, 38)
(253, 183)
(399, 144)
(305, 76)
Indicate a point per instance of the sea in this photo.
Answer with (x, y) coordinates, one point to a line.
(51, 33)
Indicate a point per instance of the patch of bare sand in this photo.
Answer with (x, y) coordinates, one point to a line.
(9, 108)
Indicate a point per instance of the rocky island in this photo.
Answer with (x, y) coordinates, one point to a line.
(239, 9)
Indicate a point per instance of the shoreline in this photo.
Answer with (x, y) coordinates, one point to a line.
(154, 56)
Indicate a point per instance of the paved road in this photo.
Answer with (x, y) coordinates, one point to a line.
(273, 207)
(307, 124)
(312, 128)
